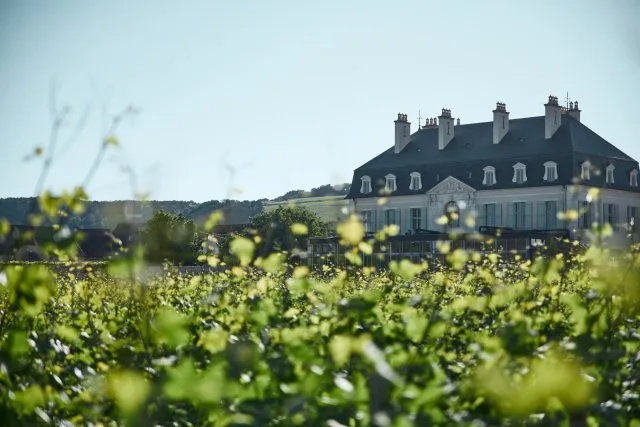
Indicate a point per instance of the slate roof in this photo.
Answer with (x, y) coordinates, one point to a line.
(472, 149)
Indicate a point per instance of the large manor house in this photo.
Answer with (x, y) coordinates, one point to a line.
(520, 173)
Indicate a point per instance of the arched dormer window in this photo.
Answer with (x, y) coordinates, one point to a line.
(519, 173)
(365, 188)
(585, 171)
(550, 171)
(489, 176)
(390, 183)
(416, 181)
(610, 175)
(633, 178)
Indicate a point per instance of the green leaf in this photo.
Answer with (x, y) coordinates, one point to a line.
(68, 333)
(340, 347)
(129, 390)
(243, 249)
(170, 328)
(214, 340)
(416, 327)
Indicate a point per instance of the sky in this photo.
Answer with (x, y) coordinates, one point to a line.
(251, 99)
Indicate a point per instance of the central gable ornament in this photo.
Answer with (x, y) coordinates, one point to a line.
(451, 185)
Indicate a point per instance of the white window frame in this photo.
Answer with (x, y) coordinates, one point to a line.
(369, 227)
(365, 187)
(611, 215)
(416, 181)
(396, 216)
(632, 217)
(489, 176)
(519, 214)
(633, 178)
(490, 220)
(585, 171)
(411, 217)
(519, 167)
(550, 171)
(390, 183)
(610, 176)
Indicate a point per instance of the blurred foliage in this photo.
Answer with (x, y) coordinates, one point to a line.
(262, 342)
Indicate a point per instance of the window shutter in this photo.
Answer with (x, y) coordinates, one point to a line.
(425, 221)
(498, 214)
(554, 215)
(480, 219)
(528, 213)
(511, 215)
(408, 223)
(541, 216)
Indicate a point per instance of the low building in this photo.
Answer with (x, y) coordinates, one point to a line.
(330, 209)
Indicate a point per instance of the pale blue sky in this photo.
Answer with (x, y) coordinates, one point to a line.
(280, 95)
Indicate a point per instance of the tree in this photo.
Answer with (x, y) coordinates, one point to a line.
(275, 230)
(170, 237)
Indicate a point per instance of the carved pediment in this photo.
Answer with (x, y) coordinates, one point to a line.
(451, 185)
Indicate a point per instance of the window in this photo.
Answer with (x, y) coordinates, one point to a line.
(390, 183)
(547, 215)
(611, 214)
(519, 215)
(633, 178)
(365, 188)
(390, 217)
(584, 220)
(489, 175)
(610, 170)
(367, 220)
(550, 171)
(489, 213)
(519, 173)
(585, 171)
(452, 212)
(416, 181)
(416, 218)
(632, 218)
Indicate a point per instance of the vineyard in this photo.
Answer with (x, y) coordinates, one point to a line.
(264, 343)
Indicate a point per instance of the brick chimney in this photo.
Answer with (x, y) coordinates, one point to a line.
(445, 128)
(403, 132)
(500, 122)
(552, 117)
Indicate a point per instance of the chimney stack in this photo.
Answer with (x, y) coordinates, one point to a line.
(574, 111)
(552, 117)
(500, 122)
(445, 128)
(403, 132)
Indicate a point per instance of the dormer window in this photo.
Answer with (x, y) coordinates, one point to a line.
(633, 178)
(585, 171)
(365, 188)
(519, 173)
(610, 176)
(550, 171)
(390, 183)
(416, 181)
(489, 176)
